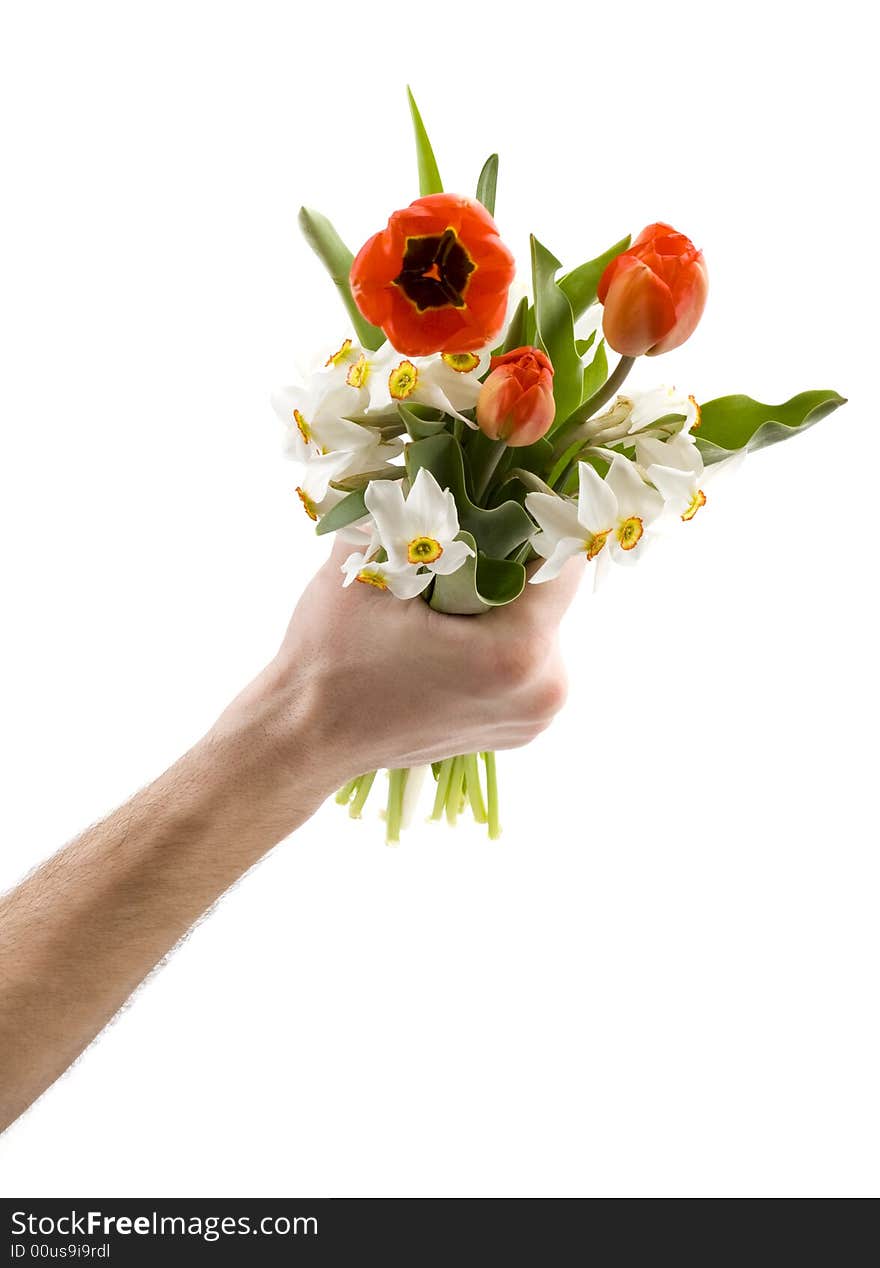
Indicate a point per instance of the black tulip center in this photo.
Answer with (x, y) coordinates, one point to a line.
(435, 271)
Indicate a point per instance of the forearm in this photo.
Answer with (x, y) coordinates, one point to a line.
(79, 935)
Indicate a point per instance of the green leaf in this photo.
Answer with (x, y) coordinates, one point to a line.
(579, 286)
(479, 584)
(734, 423)
(351, 508)
(555, 328)
(337, 260)
(584, 345)
(429, 175)
(488, 183)
(421, 421)
(499, 530)
(516, 331)
(596, 372)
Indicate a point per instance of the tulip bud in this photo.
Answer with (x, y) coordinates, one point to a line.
(516, 401)
(654, 293)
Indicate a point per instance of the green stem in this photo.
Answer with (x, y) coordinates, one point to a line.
(346, 790)
(593, 403)
(453, 795)
(363, 792)
(443, 777)
(492, 796)
(396, 785)
(484, 478)
(474, 787)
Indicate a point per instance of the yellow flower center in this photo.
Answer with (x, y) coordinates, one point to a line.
(304, 429)
(423, 550)
(359, 372)
(629, 531)
(595, 544)
(402, 381)
(308, 503)
(372, 577)
(699, 418)
(340, 355)
(698, 500)
(462, 362)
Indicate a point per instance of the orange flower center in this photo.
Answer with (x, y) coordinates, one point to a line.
(423, 550)
(698, 500)
(435, 271)
(629, 532)
(308, 504)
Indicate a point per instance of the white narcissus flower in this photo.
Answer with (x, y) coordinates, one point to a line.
(316, 417)
(611, 515)
(417, 533)
(403, 582)
(675, 467)
(418, 530)
(321, 470)
(647, 407)
(446, 381)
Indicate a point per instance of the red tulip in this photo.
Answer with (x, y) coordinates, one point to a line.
(654, 293)
(516, 401)
(436, 279)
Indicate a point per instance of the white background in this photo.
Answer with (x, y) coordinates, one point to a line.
(664, 979)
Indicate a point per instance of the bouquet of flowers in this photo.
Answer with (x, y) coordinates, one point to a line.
(453, 435)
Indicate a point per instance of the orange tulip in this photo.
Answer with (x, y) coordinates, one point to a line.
(516, 401)
(436, 279)
(654, 293)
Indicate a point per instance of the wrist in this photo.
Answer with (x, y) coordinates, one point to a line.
(270, 755)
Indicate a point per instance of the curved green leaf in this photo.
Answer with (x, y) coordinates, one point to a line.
(555, 327)
(479, 584)
(497, 531)
(596, 372)
(337, 260)
(351, 508)
(579, 286)
(488, 183)
(733, 423)
(420, 421)
(429, 175)
(516, 331)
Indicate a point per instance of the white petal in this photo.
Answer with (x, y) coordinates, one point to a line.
(679, 452)
(556, 517)
(634, 496)
(405, 582)
(384, 500)
(352, 566)
(676, 487)
(320, 471)
(656, 403)
(428, 508)
(597, 504)
(454, 555)
(566, 548)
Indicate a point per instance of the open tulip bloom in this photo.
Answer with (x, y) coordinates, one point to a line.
(453, 440)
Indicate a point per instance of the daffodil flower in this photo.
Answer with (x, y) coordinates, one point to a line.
(321, 471)
(449, 382)
(675, 467)
(402, 581)
(316, 418)
(610, 518)
(647, 408)
(417, 531)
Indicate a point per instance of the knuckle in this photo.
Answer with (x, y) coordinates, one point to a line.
(549, 696)
(515, 664)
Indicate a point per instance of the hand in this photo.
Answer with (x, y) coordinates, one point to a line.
(363, 680)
